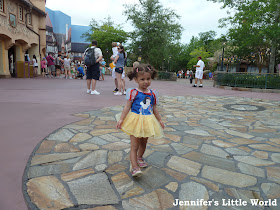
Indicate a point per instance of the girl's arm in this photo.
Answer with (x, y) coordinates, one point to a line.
(124, 113)
(116, 59)
(157, 115)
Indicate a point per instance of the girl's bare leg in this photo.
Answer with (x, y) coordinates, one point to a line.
(142, 147)
(134, 146)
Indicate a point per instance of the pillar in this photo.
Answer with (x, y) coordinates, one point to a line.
(4, 61)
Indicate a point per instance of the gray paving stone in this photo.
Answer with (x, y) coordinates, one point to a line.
(183, 165)
(181, 127)
(180, 148)
(157, 158)
(61, 135)
(275, 157)
(253, 161)
(152, 178)
(198, 132)
(215, 151)
(271, 190)
(163, 148)
(211, 160)
(251, 170)
(191, 140)
(93, 189)
(98, 141)
(45, 170)
(193, 191)
(228, 177)
(94, 158)
(236, 151)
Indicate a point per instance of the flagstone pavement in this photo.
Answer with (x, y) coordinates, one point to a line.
(219, 149)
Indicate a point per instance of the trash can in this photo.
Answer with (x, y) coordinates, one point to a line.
(23, 70)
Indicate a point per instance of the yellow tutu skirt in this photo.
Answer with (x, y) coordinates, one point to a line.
(141, 126)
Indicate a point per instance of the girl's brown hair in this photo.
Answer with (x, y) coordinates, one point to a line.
(140, 69)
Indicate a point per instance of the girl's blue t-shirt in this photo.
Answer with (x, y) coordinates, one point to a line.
(142, 102)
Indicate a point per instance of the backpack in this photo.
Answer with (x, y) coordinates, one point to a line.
(90, 57)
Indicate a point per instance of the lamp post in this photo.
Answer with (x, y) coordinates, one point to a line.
(222, 64)
(139, 51)
(107, 51)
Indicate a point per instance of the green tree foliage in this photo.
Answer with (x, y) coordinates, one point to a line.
(156, 30)
(196, 53)
(207, 38)
(254, 28)
(106, 33)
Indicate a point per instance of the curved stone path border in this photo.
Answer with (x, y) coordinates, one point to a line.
(209, 153)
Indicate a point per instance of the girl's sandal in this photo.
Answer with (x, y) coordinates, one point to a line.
(141, 162)
(135, 172)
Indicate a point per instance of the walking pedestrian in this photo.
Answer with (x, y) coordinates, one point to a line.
(93, 72)
(67, 67)
(140, 118)
(119, 68)
(191, 76)
(58, 64)
(199, 72)
(102, 69)
(44, 67)
(188, 73)
(51, 66)
(115, 53)
(35, 65)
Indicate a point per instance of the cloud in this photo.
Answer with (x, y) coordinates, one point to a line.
(196, 15)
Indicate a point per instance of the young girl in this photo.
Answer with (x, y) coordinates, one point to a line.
(35, 65)
(44, 67)
(140, 117)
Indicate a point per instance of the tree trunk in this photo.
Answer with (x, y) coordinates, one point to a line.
(274, 42)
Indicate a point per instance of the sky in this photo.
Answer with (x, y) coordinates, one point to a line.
(196, 15)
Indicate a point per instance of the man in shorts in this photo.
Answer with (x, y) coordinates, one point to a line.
(51, 67)
(199, 72)
(93, 72)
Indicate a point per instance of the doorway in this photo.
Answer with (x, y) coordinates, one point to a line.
(12, 61)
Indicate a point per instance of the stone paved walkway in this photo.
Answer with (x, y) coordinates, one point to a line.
(215, 148)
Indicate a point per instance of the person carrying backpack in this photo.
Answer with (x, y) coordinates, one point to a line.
(92, 57)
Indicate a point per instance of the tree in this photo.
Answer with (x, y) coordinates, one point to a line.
(207, 37)
(196, 53)
(105, 34)
(254, 28)
(156, 30)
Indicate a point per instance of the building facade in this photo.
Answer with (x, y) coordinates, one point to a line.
(77, 44)
(22, 33)
(66, 38)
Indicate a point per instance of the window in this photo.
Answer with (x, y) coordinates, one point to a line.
(20, 13)
(1, 5)
(29, 19)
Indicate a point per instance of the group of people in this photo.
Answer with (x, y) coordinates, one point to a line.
(198, 73)
(54, 67)
(95, 71)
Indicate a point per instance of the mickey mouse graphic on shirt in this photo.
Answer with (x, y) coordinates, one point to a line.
(146, 106)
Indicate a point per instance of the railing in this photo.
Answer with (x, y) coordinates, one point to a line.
(248, 80)
(162, 75)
